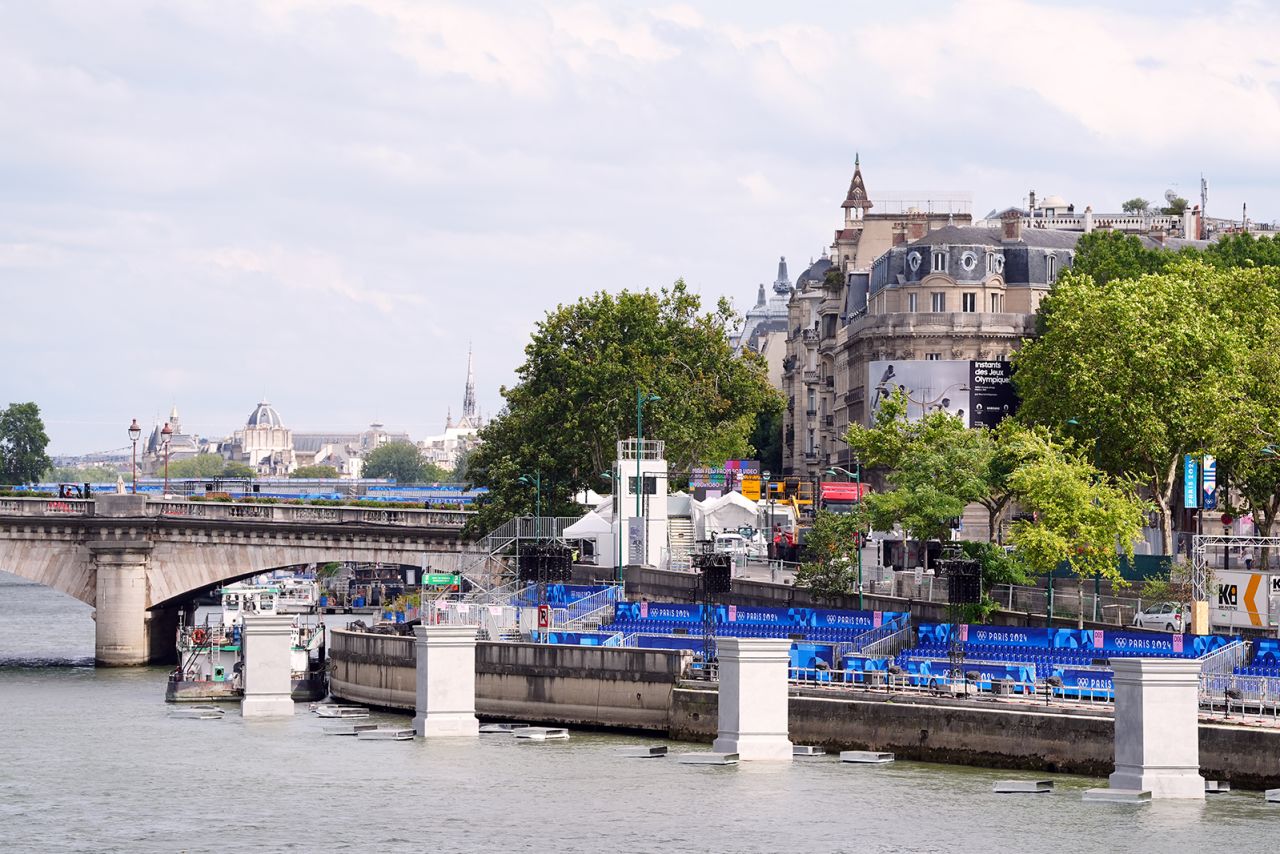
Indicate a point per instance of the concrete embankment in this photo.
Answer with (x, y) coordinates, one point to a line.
(570, 685)
(644, 690)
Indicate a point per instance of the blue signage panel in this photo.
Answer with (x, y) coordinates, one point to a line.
(1210, 481)
(1190, 482)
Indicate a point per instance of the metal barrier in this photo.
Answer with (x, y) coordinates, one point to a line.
(1224, 661)
(883, 642)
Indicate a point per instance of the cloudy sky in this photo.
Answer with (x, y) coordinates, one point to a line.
(326, 201)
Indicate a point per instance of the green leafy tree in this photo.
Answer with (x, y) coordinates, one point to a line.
(933, 467)
(1080, 517)
(81, 474)
(575, 397)
(1136, 205)
(1244, 250)
(1177, 207)
(403, 462)
(22, 444)
(1107, 255)
(1149, 368)
(831, 549)
(208, 466)
(461, 468)
(766, 439)
(315, 472)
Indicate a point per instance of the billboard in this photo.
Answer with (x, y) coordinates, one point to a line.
(980, 394)
(991, 394)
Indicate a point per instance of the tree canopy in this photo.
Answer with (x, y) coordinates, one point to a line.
(1135, 205)
(22, 444)
(575, 396)
(933, 468)
(208, 466)
(81, 474)
(315, 472)
(831, 549)
(1146, 369)
(403, 463)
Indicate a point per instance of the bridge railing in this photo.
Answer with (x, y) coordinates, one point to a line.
(231, 511)
(46, 507)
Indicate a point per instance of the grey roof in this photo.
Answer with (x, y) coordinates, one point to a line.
(815, 274)
(977, 235)
(264, 416)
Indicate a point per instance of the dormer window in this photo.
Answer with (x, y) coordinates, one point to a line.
(1051, 269)
(939, 261)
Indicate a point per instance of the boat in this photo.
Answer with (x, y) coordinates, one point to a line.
(210, 657)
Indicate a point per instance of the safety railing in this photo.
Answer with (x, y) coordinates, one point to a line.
(591, 610)
(967, 683)
(885, 641)
(493, 621)
(1224, 661)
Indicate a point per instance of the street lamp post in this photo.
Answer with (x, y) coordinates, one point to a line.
(857, 476)
(641, 400)
(166, 433)
(765, 478)
(135, 433)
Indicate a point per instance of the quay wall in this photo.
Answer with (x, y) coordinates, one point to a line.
(646, 690)
(566, 685)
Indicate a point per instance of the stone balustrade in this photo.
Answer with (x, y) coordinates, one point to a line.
(232, 512)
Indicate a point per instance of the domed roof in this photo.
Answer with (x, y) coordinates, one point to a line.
(264, 416)
(1052, 201)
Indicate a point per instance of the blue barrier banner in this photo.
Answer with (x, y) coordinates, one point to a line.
(562, 594)
(1078, 681)
(1266, 651)
(798, 618)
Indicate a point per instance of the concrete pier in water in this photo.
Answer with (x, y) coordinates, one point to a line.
(1156, 731)
(268, 677)
(446, 681)
(753, 699)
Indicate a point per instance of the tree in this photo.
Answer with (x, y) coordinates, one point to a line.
(1136, 205)
(1243, 250)
(1177, 207)
(461, 467)
(208, 466)
(766, 438)
(315, 472)
(1079, 516)
(22, 444)
(832, 548)
(575, 397)
(402, 462)
(934, 467)
(1149, 368)
(81, 474)
(1107, 255)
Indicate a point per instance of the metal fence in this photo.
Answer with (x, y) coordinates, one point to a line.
(1073, 601)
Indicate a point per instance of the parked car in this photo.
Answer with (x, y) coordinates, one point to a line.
(1164, 616)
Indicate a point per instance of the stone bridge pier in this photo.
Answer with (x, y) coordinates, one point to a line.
(137, 560)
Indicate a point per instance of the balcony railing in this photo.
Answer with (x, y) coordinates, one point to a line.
(811, 376)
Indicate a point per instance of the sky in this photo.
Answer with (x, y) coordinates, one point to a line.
(325, 203)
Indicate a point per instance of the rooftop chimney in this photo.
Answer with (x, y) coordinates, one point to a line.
(1011, 225)
(1088, 219)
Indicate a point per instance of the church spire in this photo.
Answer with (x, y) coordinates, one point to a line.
(469, 396)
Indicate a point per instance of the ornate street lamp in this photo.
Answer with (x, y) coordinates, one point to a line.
(135, 433)
(166, 433)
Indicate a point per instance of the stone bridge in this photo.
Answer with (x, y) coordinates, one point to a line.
(135, 559)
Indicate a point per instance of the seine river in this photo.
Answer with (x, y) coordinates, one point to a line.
(91, 760)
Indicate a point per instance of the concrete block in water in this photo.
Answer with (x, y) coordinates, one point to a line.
(807, 750)
(1118, 796)
(1216, 787)
(708, 758)
(657, 752)
(1013, 787)
(865, 757)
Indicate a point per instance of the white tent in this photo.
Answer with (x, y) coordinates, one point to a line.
(600, 531)
(730, 512)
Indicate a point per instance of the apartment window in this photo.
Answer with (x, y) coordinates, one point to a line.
(1051, 269)
(991, 263)
(813, 402)
(911, 302)
(939, 261)
(968, 302)
(810, 448)
(932, 357)
(997, 302)
(939, 301)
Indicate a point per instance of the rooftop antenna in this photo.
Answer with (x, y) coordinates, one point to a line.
(1204, 208)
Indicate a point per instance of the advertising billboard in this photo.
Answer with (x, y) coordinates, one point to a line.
(980, 394)
(1243, 599)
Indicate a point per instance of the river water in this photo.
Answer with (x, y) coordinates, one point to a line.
(92, 761)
